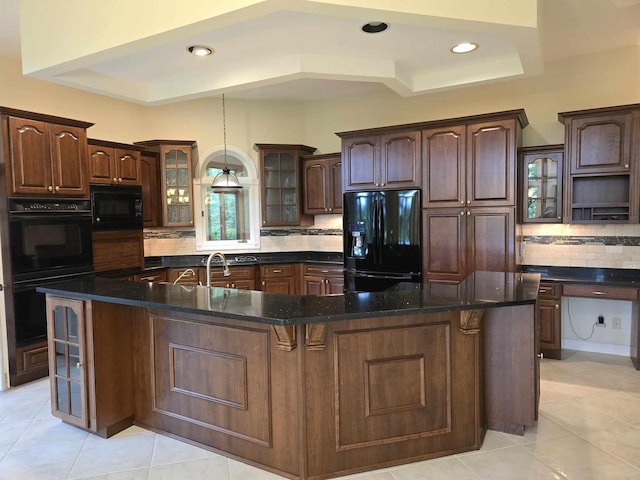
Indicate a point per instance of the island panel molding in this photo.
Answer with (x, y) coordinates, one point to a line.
(218, 368)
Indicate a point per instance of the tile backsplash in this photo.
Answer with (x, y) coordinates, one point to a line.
(605, 246)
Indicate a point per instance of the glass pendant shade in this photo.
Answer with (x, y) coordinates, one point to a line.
(225, 181)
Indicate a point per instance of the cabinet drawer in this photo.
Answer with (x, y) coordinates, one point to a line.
(183, 276)
(322, 270)
(549, 290)
(160, 276)
(275, 271)
(600, 291)
(236, 272)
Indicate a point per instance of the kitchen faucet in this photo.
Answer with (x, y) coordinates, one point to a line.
(225, 268)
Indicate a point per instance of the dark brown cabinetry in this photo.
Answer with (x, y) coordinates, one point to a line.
(114, 163)
(90, 361)
(185, 276)
(281, 186)
(117, 250)
(384, 160)
(176, 182)
(46, 155)
(541, 183)
(155, 276)
(601, 167)
(549, 319)
(279, 278)
(472, 165)
(242, 278)
(151, 194)
(322, 181)
(322, 279)
(456, 242)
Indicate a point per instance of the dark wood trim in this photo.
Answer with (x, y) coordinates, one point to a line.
(285, 337)
(518, 113)
(321, 156)
(13, 112)
(108, 143)
(284, 146)
(601, 110)
(151, 143)
(314, 336)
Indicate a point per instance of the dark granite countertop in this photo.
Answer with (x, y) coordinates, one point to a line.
(479, 290)
(622, 277)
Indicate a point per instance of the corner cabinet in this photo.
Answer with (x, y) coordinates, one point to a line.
(114, 163)
(151, 199)
(541, 183)
(176, 180)
(389, 159)
(322, 181)
(281, 184)
(46, 155)
(90, 358)
(601, 150)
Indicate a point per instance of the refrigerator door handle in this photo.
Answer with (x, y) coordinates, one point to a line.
(389, 276)
(379, 231)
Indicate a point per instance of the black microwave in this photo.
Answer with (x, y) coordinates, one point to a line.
(116, 207)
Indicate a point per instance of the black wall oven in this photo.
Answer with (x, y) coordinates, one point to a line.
(116, 207)
(50, 241)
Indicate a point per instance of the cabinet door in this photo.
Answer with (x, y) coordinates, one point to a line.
(30, 158)
(279, 285)
(444, 159)
(360, 157)
(491, 237)
(600, 144)
(400, 160)
(176, 178)
(127, 167)
(335, 184)
(101, 161)
(150, 190)
(67, 360)
(316, 187)
(550, 327)
(280, 188)
(334, 285)
(444, 244)
(313, 285)
(69, 160)
(541, 185)
(185, 276)
(491, 163)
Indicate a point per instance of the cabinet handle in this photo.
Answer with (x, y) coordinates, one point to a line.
(277, 271)
(50, 188)
(263, 283)
(543, 290)
(598, 292)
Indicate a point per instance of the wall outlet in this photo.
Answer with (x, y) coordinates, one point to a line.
(616, 323)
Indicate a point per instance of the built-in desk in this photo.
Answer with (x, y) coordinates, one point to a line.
(602, 283)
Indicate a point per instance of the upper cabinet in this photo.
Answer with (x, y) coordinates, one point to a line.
(541, 184)
(470, 165)
(46, 155)
(601, 164)
(322, 179)
(280, 171)
(176, 180)
(383, 161)
(151, 201)
(114, 163)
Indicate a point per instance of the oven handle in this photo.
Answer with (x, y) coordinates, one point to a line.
(40, 215)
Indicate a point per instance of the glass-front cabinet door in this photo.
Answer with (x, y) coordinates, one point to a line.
(178, 198)
(541, 184)
(67, 371)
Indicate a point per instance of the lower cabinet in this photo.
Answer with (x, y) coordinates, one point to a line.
(322, 279)
(90, 359)
(549, 318)
(278, 278)
(184, 276)
(242, 278)
(459, 241)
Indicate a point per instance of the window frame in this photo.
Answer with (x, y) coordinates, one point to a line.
(251, 188)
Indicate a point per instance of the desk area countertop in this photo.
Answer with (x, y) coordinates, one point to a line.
(618, 277)
(479, 290)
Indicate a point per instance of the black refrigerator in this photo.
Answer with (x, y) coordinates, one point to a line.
(382, 235)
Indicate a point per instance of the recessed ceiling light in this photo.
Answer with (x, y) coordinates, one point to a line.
(375, 27)
(200, 50)
(464, 47)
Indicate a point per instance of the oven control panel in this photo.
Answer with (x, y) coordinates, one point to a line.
(27, 206)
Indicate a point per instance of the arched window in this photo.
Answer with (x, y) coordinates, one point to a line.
(228, 220)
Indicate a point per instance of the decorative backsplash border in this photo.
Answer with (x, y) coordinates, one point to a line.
(272, 232)
(625, 241)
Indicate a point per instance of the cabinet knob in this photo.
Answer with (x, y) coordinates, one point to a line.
(115, 180)
(462, 213)
(120, 179)
(461, 202)
(78, 365)
(557, 306)
(233, 285)
(50, 188)
(57, 188)
(626, 165)
(264, 283)
(468, 212)
(331, 209)
(468, 202)
(326, 209)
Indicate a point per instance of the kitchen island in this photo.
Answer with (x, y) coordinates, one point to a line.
(304, 386)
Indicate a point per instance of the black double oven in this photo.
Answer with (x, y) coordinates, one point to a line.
(50, 240)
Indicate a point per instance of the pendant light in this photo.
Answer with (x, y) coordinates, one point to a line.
(225, 181)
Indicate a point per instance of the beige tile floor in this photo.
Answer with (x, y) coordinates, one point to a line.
(589, 428)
